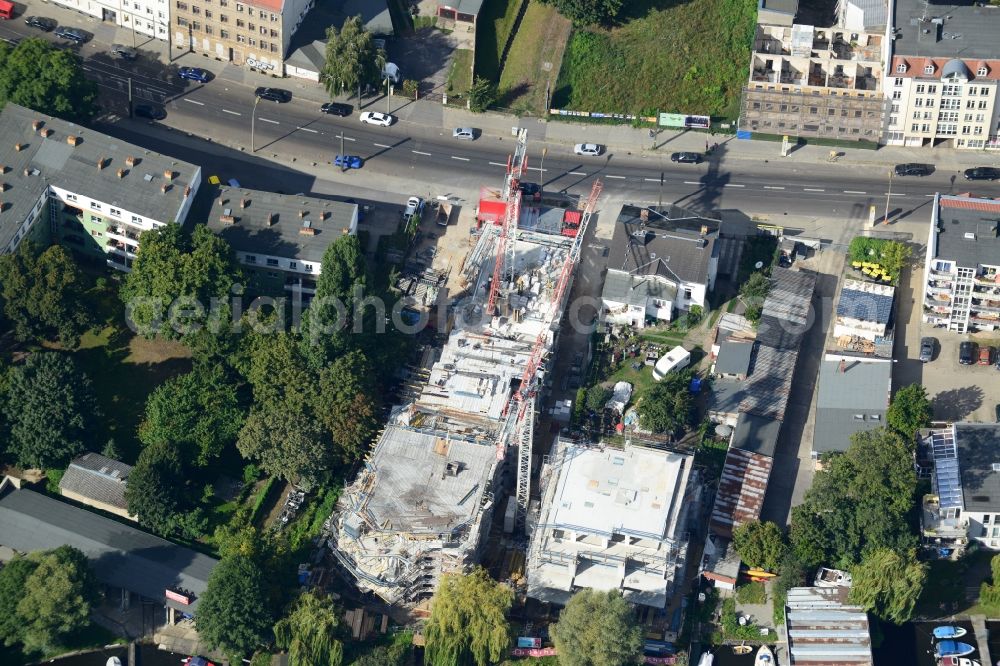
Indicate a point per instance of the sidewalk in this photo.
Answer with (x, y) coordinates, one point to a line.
(438, 117)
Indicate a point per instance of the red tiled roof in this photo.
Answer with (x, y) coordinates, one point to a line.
(982, 205)
(741, 490)
(915, 67)
(269, 5)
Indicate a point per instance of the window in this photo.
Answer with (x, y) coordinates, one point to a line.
(183, 6)
(223, 18)
(307, 268)
(897, 94)
(95, 205)
(687, 294)
(116, 212)
(223, 34)
(274, 48)
(196, 10)
(136, 219)
(978, 130)
(920, 89)
(275, 18)
(253, 42)
(252, 27)
(980, 118)
(274, 33)
(932, 90)
(930, 102)
(928, 69)
(208, 30)
(951, 103)
(914, 127)
(181, 21)
(967, 118)
(263, 44)
(71, 197)
(916, 115)
(223, 3)
(981, 71)
(893, 121)
(208, 14)
(293, 265)
(901, 68)
(272, 262)
(898, 81)
(982, 104)
(925, 128)
(249, 11)
(918, 102)
(859, 417)
(948, 116)
(875, 417)
(239, 7)
(895, 108)
(241, 39)
(951, 90)
(251, 258)
(985, 92)
(195, 25)
(240, 23)
(95, 219)
(970, 103)
(263, 31)
(986, 518)
(272, 274)
(949, 129)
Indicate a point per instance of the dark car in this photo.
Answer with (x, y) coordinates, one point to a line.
(123, 52)
(149, 111)
(982, 173)
(686, 158)
(194, 74)
(914, 169)
(927, 349)
(985, 355)
(42, 23)
(529, 189)
(337, 109)
(274, 94)
(967, 353)
(72, 34)
(348, 161)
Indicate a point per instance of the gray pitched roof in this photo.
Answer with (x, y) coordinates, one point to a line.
(620, 287)
(669, 244)
(121, 556)
(790, 295)
(43, 161)
(978, 447)
(734, 357)
(727, 394)
(968, 31)
(757, 434)
(956, 218)
(271, 223)
(310, 56)
(97, 477)
(849, 390)
(769, 386)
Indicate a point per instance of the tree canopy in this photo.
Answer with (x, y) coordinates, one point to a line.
(891, 255)
(348, 403)
(761, 545)
(587, 12)
(233, 614)
(596, 629)
(175, 278)
(49, 408)
(909, 411)
(351, 58)
(468, 621)
(157, 492)
(597, 397)
(482, 93)
(755, 289)
(57, 599)
(888, 583)
(286, 441)
(40, 76)
(309, 633)
(42, 292)
(13, 581)
(667, 407)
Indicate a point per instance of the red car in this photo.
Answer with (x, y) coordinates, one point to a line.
(985, 355)
(197, 661)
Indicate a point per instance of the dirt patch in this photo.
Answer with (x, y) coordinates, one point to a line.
(534, 59)
(142, 350)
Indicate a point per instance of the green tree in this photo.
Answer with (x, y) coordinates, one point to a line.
(330, 315)
(13, 585)
(597, 397)
(694, 316)
(309, 633)
(233, 614)
(351, 58)
(755, 289)
(588, 12)
(347, 403)
(37, 75)
(482, 93)
(42, 292)
(989, 593)
(58, 597)
(180, 284)
(909, 411)
(49, 409)
(468, 621)
(596, 629)
(156, 492)
(889, 583)
(199, 411)
(761, 545)
(668, 406)
(286, 441)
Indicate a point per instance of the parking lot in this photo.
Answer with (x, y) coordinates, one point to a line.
(957, 392)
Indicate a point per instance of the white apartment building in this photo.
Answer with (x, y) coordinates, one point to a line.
(146, 17)
(962, 265)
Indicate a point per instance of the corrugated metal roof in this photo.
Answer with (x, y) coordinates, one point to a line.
(741, 490)
(823, 628)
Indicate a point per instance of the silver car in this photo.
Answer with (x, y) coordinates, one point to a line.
(588, 149)
(465, 133)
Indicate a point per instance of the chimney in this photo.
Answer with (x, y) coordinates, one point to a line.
(227, 219)
(168, 174)
(72, 140)
(842, 368)
(302, 213)
(101, 161)
(244, 203)
(272, 219)
(131, 161)
(121, 173)
(4, 168)
(4, 186)
(165, 188)
(704, 230)
(26, 172)
(46, 132)
(20, 146)
(307, 231)
(325, 215)
(187, 191)
(37, 125)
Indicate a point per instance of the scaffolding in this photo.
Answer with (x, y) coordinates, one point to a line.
(829, 113)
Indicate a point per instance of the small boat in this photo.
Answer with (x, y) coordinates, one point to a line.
(706, 659)
(113, 661)
(958, 661)
(949, 632)
(764, 657)
(951, 648)
(742, 648)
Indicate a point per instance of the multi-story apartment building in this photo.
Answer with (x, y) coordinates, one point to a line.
(60, 182)
(943, 77)
(147, 17)
(962, 267)
(255, 33)
(809, 81)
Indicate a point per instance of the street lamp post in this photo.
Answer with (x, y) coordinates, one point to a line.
(541, 171)
(388, 98)
(343, 156)
(888, 195)
(253, 118)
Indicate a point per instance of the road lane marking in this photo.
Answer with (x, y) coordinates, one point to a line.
(577, 173)
(463, 159)
(854, 192)
(232, 113)
(268, 120)
(420, 152)
(306, 129)
(194, 101)
(382, 145)
(503, 164)
(893, 194)
(349, 138)
(929, 196)
(812, 189)
(88, 69)
(534, 169)
(651, 180)
(692, 182)
(733, 185)
(618, 177)
(773, 187)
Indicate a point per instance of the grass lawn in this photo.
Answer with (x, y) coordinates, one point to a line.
(641, 379)
(662, 337)
(495, 22)
(690, 57)
(751, 593)
(539, 43)
(460, 76)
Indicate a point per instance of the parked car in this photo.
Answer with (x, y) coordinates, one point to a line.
(194, 74)
(588, 149)
(337, 109)
(686, 158)
(466, 133)
(927, 349)
(376, 118)
(982, 173)
(914, 169)
(967, 353)
(72, 34)
(279, 95)
(529, 189)
(348, 161)
(149, 111)
(124, 52)
(414, 206)
(985, 355)
(40, 22)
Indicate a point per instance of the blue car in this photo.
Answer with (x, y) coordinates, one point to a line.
(347, 161)
(193, 74)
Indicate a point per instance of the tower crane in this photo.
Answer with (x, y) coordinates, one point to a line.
(503, 265)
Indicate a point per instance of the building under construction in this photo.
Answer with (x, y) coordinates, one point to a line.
(425, 499)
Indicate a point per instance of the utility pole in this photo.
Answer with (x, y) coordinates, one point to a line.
(343, 156)
(888, 195)
(388, 98)
(130, 97)
(253, 118)
(542, 170)
(660, 206)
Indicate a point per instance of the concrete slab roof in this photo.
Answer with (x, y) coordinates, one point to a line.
(734, 357)
(978, 446)
(965, 30)
(968, 234)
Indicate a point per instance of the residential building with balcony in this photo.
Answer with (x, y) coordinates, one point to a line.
(145, 17)
(964, 504)
(253, 33)
(962, 266)
(63, 183)
(280, 238)
(810, 81)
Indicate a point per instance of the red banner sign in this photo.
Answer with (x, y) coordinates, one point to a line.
(178, 597)
(534, 652)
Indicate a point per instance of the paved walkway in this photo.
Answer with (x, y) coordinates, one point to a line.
(437, 116)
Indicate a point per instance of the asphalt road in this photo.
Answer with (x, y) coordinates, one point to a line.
(225, 113)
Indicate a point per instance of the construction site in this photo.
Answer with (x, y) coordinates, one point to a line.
(457, 450)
